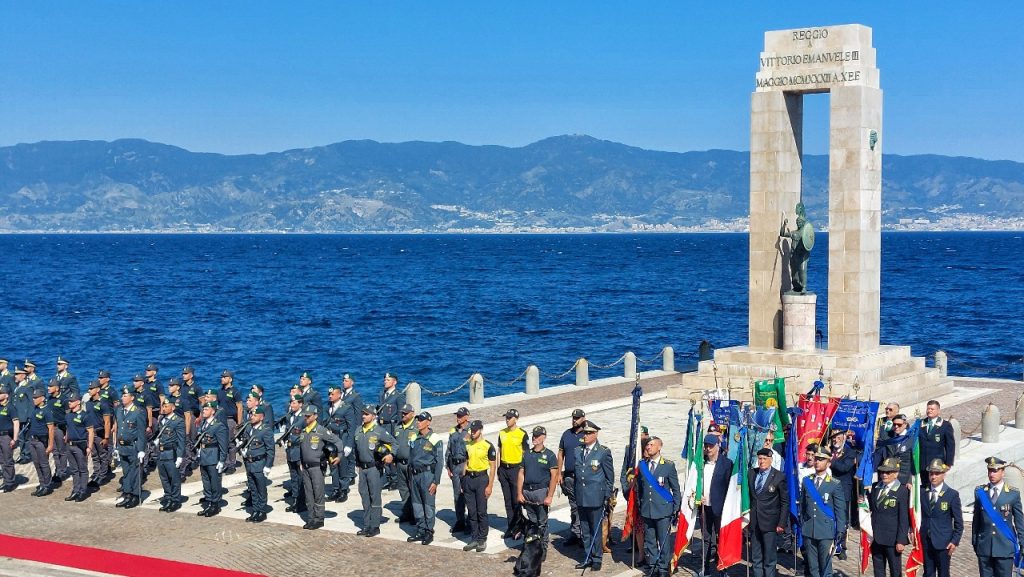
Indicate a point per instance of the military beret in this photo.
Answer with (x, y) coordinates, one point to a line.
(476, 425)
(297, 398)
(407, 408)
(309, 410)
(577, 413)
(538, 431)
(306, 375)
(711, 439)
(590, 427)
(53, 383)
(369, 410)
(188, 370)
(765, 452)
(167, 400)
(995, 463)
(210, 393)
(210, 405)
(30, 363)
(390, 376)
(937, 466)
(258, 410)
(227, 373)
(890, 465)
(152, 367)
(424, 416)
(127, 390)
(103, 374)
(643, 429)
(333, 388)
(38, 393)
(462, 412)
(138, 377)
(61, 359)
(173, 381)
(259, 388)
(93, 385)
(19, 371)
(511, 413)
(348, 376)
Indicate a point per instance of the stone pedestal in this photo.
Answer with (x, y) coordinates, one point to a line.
(798, 321)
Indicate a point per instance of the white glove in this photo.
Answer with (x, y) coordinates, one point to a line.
(245, 452)
(177, 462)
(141, 455)
(346, 451)
(220, 467)
(266, 471)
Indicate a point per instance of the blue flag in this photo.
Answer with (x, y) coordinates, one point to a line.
(760, 427)
(858, 418)
(792, 479)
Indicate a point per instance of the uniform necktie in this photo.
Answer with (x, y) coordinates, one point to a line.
(935, 495)
(586, 453)
(994, 493)
(817, 482)
(759, 485)
(651, 465)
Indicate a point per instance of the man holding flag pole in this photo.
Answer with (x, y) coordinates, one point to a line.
(822, 515)
(658, 496)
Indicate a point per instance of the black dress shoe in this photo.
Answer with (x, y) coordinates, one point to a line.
(82, 497)
(427, 539)
(596, 566)
(341, 497)
(362, 532)
(250, 518)
(287, 494)
(414, 538)
(45, 491)
(203, 512)
(229, 471)
(260, 517)
(39, 489)
(7, 488)
(372, 532)
(458, 528)
(212, 511)
(584, 564)
(122, 502)
(93, 485)
(173, 507)
(247, 503)
(132, 503)
(71, 497)
(506, 535)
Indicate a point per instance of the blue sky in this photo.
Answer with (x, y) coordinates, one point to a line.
(238, 77)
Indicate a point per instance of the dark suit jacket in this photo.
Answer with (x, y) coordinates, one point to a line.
(769, 508)
(890, 517)
(902, 450)
(942, 522)
(938, 443)
(719, 485)
(844, 468)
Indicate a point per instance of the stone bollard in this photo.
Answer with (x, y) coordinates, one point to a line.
(958, 434)
(629, 362)
(532, 380)
(990, 424)
(668, 360)
(941, 363)
(414, 395)
(476, 389)
(1018, 415)
(582, 372)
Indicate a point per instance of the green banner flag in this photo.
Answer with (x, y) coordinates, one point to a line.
(771, 393)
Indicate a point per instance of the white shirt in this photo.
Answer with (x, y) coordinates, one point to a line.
(709, 472)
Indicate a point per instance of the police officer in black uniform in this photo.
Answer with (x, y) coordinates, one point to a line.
(455, 462)
(79, 437)
(936, 436)
(41, 434)
(170, 451)
(571, 438)
(59, 410)
(258, 456)
(230, 401)
(536, 484)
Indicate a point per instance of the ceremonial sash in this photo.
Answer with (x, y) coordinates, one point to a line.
(981, 496)
(826, 509)
(649, 477)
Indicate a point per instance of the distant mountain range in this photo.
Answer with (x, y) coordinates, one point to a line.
(560, 183)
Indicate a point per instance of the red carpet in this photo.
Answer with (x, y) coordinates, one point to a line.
(104, 561)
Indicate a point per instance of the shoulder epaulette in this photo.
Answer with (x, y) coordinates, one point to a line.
(1008, 488)
(980, 487)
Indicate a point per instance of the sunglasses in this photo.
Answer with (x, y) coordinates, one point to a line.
(899, 424)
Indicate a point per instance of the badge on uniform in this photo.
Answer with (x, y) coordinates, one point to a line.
(595, 465)
(936, 438)
(890, 503)
(771, 488)
(944, 506)
(825, 497)
(372, 439)
(661, 481)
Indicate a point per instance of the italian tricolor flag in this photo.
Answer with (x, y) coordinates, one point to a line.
(693, 488)
(737, 504)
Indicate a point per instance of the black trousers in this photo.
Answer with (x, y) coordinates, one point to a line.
(764, 554)
(936, 561)
(508, 477)
(995, 566)
(882, 555)
(476, 505)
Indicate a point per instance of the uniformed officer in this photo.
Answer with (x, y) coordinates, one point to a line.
(571, 438)
(658, 498)
(512, 445)
(373, 451)
(182, 402)
(212, 438)
(889, 501)
(310, 396)
(477, 484)
(404, 434)
(66, 382)
(10, 429)
(595, 477)
(79, 438)
(153, 386)
(821, 523)
(33, 379)
(23, 408)
(102, 420)
(258, 456)
(535, 486)
(845, 458)
(130, 433)
(901, 446)
(426, 461)
(6, 376)
(455, 462)
(230, 400)
(314, 441)
(351, 410)
(296, 421)
(41, 434)
(769, 513)
(998, 518)
(149, 404)
(337, 421)
(942, 521)
(268, 407)
(110, 399)
(936, 435)
(389, 415)
(59, 410)
(170, 451)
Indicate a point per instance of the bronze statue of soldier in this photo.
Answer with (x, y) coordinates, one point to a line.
(802, 239)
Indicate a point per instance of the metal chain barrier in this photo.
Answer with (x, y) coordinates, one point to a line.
(617, 361)
(443, 393)
(559, 376)
(653, 359)
(521, 377)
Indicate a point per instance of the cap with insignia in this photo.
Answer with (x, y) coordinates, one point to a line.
(188, 370)
(309, 410)
(173, 381)
(93, 385)
(306, 375)
(712, 439)
(348, 377)
(578, 413)
(407, 408)
(227, 373)
(331, 388)
(38, 393)
(254, 394)
(152, 367)
(890, 465)
(424, 416)
(476, 425)
(74, 396)
(138, 377)
(167, 400)
(643, 428)
(511, 413)
(4, 390)
(937, 466)
(258, 410)
(824, 452)
(995, 463)
(62, 361)
(210, 393)
(590, 427)
(103, 374)
(538, 431)
(127, 390)
(836, 432)
(390, 376)
(297, 398)
(811, 448)
(19, 371)
(369, 410)
(462, 412)
(30, 363)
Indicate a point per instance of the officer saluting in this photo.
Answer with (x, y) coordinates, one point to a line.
(170, 450)
(258, 456)
(942, 521)
(823, 510)
(998, 527)
(130, 434)
(212, 437)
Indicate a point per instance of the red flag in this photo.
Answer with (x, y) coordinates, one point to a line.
(814, 419)
(632, 513)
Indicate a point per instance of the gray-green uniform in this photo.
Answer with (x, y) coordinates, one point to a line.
(426, 462)
(131, 442)
(367, 441)
(8, 416)
(404, 434)
(293, 455)
(170, 447)
(213, 451)
(258, 456)
(313, 441)
(101, 411)
(455, 460)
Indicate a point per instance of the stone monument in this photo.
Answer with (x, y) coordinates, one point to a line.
(840, 61)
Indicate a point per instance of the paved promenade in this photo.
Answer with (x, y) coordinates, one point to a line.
(280, 547)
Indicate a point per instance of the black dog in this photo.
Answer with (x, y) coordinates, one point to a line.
(529, 561)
